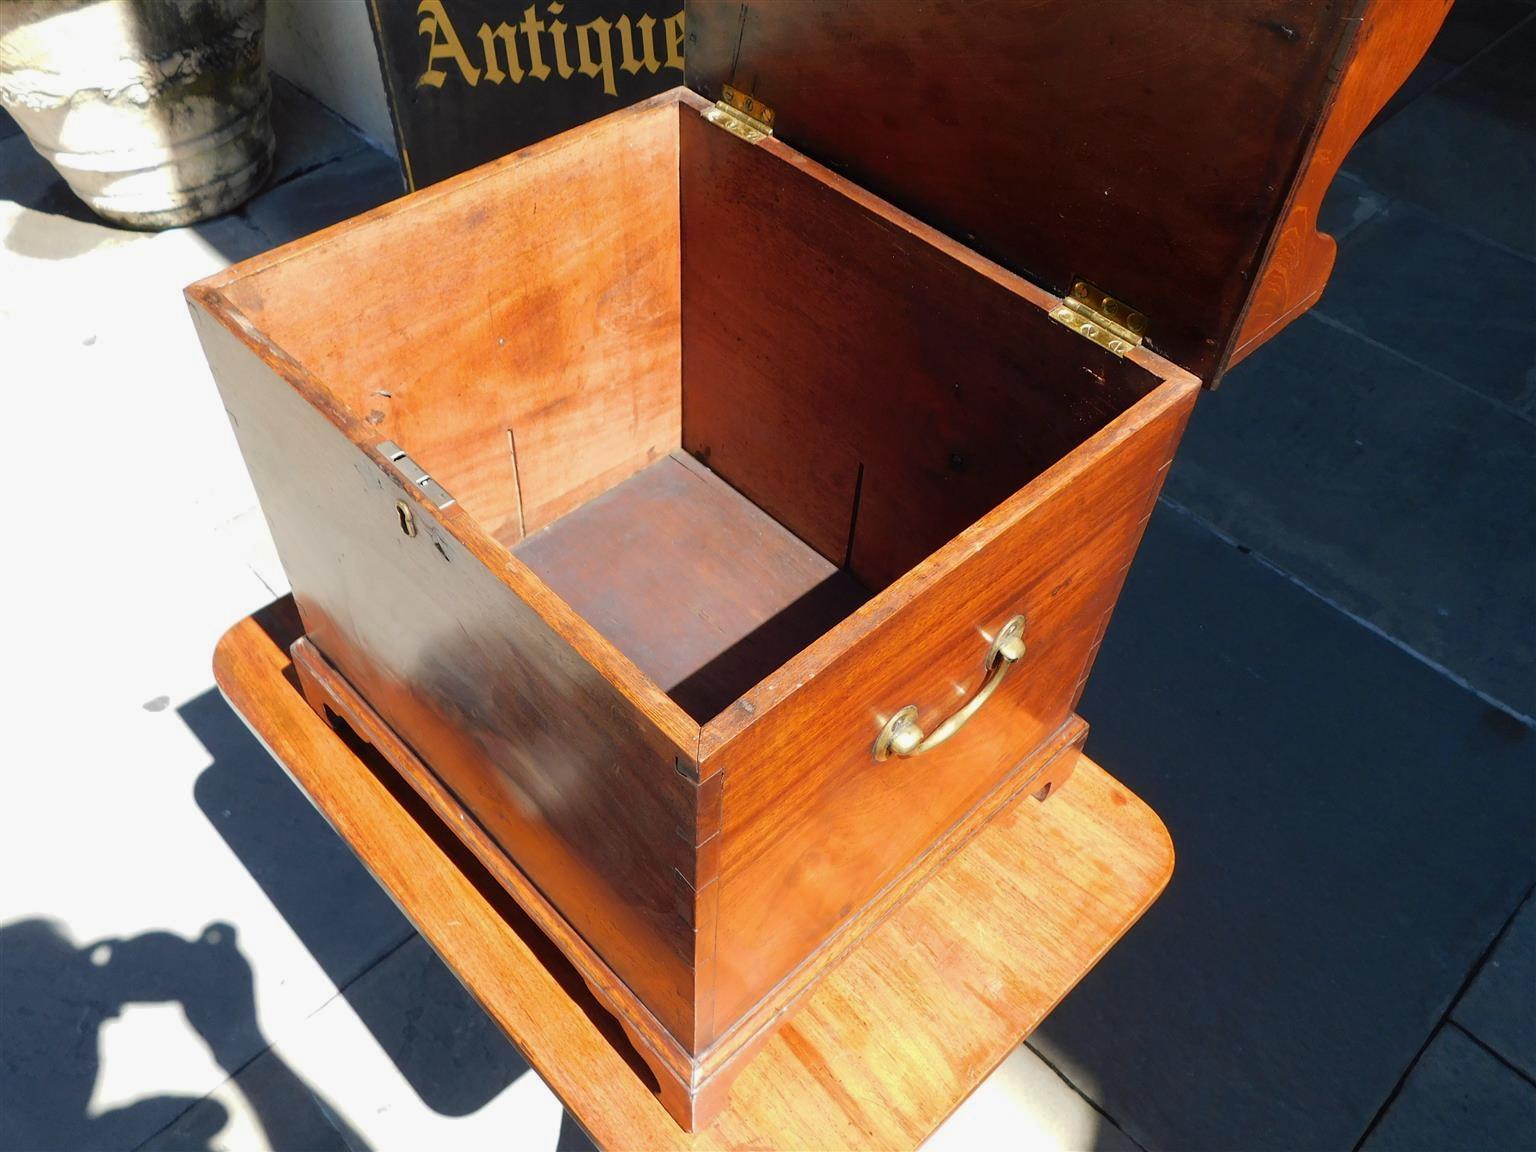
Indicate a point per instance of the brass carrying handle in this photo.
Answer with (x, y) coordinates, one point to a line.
(903, 735)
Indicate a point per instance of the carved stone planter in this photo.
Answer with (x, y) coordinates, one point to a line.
(154, 111)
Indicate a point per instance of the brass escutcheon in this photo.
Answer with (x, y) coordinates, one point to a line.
(407, 520)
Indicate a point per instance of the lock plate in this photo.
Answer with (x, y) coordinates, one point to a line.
(415, 474)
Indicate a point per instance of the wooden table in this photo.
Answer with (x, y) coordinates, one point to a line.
(885, 1048)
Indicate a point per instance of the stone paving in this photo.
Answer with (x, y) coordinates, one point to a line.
(1322, 675)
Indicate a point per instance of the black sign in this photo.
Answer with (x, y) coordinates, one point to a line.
(470, 80)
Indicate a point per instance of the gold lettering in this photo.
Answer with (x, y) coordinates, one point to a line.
(594, 46)
(443, 43)
(603, 66)
(674, 26)
(557, 35)
(647, 26)
(493, 72)
(627, 44)
(531, 27)
(508, 37)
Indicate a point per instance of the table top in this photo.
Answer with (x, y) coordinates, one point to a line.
(883, 1049)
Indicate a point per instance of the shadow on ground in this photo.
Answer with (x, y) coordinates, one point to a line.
(449, 1051)
(55, 998)
(1354, 824)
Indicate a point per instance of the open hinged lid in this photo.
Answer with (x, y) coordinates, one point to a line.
(1148, 147)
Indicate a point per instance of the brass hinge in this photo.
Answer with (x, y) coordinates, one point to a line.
(1101, 318)
(740, 113)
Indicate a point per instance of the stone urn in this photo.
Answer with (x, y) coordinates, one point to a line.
(154, 111)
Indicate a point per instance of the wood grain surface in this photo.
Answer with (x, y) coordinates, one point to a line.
(1147, 147)
(647, 697)
(583, 728)
(1393, 38)
(883, 1050)
(515, 329)
(812, 825)
(515, 701)
(692, 1076)
(704, 590)
(867, 381)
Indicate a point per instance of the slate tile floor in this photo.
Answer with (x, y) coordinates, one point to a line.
(1321, 675)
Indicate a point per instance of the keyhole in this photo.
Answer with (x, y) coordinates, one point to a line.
(407, 521)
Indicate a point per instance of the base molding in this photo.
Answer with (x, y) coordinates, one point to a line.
(693, 1087)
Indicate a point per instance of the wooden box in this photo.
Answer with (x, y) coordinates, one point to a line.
(715, 544)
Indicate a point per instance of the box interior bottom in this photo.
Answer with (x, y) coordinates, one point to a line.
(700, 587)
